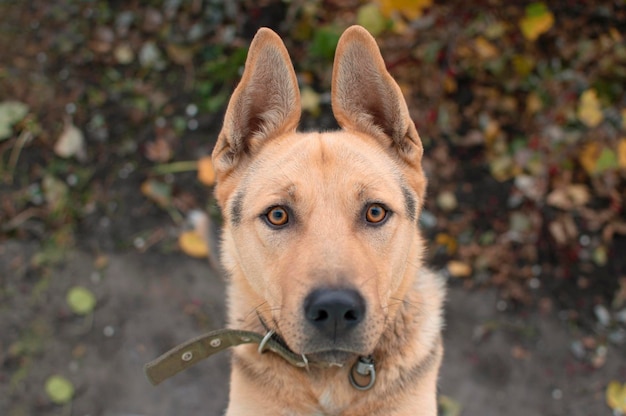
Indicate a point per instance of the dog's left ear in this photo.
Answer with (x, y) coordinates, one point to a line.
(265, 104)
(366, 99)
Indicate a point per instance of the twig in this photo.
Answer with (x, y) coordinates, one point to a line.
(25, 137)
(175, 167)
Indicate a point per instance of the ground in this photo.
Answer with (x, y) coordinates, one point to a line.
(495, 362)
(109, 109)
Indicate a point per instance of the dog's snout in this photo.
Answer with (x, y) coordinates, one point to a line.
(334, 311)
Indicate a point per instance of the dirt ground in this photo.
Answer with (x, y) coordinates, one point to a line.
(496, 362)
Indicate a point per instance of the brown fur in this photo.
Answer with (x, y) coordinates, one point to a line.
(326, 180)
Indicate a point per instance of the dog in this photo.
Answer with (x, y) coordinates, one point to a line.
(321, 242)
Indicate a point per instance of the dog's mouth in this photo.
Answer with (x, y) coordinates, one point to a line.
(333, 357)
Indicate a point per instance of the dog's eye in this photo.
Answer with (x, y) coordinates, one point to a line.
(277, 216)
(375, 213)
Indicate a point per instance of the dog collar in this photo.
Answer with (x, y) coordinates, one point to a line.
(191, 352)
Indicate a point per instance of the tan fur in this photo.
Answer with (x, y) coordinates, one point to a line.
(326, 179)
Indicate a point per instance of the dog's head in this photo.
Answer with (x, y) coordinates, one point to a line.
(321, 227)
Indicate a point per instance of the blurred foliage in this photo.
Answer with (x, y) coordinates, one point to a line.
(107, 107)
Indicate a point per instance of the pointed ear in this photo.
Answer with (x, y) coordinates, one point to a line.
(265, 104)
(366, 99)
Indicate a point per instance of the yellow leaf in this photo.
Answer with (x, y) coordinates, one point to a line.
(206, 173)
(589, 156)
(410, 9)
(484, 48)
(370, 17)
(616, 396)
(538, 20)
(534, 104)
(589, 110)
(192, 244)
(621, 153)
(459, 269)
(310, 101)
(624, 118)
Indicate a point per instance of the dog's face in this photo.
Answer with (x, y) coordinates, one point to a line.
(321, 227)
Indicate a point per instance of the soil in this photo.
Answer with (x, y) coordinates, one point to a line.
(496, 362)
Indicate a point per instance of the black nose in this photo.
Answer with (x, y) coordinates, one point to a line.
(334, 311)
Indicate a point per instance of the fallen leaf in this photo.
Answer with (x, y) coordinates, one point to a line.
(192, 244)
(607, 160)
(101, 262)
(447, 241)
(310, 101)
(56, 193)
(370, 17)
(59, 389)
(569, 197)
(80, 300)
(11, 112)
(621, 153)
(563, 230)
(124, 54)
(411, 9)
(159, 192)
(447, 201)
(206, 173)
(484, 48)
(588, 157)
(71, 142)
(159, 150)
(459, 269)
(616, 396)
(538, 20)
(448, 406)
(600, 256)
(589, 110)
(533, 103)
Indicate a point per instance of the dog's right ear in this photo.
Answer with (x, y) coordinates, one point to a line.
(265, 104)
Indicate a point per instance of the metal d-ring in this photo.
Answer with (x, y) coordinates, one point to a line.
(264, 340)
(364, 367)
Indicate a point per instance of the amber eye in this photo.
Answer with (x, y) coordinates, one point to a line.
(375, 213)
(277, 216)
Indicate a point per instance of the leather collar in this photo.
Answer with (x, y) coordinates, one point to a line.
(191, 352)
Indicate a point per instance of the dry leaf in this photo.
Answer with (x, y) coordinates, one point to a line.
(484, 48)
(568, 197)
(71, 143)
(192, 244)
(310, 101)
(11, 112)
(538, 20)
(370, 17)
(589, 156)
(206, 173)
(621, 153)
(459, 269)
(616, 396)
(563, 230)
(159, 150)
(411, 9)
(589, 111)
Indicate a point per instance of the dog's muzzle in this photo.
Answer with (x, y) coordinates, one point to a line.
(334, 312)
